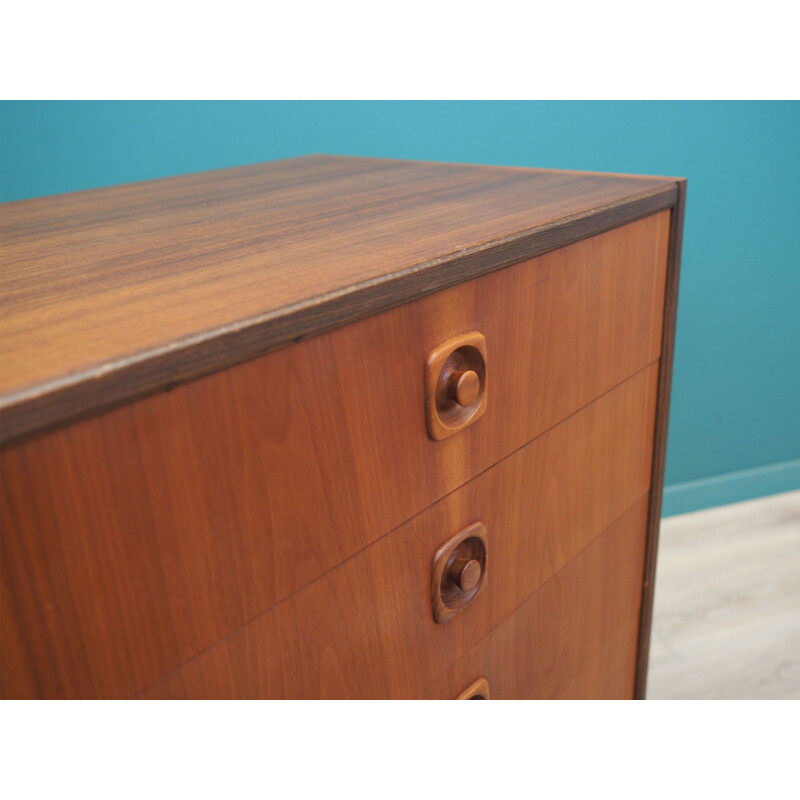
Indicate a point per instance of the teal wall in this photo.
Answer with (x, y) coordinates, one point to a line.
(734, 428)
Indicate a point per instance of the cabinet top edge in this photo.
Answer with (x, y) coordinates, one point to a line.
(108, 294)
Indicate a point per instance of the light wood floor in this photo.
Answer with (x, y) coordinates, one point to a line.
(726, 622)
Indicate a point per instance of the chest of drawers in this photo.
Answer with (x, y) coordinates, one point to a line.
(335, 428)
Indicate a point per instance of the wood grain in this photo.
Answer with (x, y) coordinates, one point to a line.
(112, 293)
(167, 523)
(576, 638)
(670, 311)
(365, 629)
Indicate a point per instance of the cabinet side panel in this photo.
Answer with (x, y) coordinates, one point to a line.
(660, 435)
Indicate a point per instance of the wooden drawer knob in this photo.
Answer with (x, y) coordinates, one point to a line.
(455, 385)
(464, 387)
(476, 691)
(458, 573)
(465, 574)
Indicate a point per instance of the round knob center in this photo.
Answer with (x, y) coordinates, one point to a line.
(464, 387)
(466, 574)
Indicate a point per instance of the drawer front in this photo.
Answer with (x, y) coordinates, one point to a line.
(135, 539)
(575, 638)
(366, 629)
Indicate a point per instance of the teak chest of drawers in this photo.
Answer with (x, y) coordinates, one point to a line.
(335, 428)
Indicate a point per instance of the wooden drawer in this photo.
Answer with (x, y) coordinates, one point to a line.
(575, 638)
(366, 628)
(151, 531)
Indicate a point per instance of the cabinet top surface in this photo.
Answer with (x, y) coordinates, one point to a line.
(110, 293)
